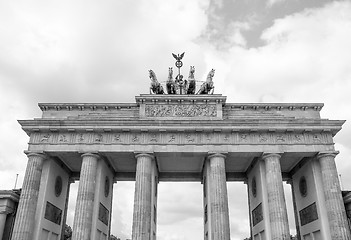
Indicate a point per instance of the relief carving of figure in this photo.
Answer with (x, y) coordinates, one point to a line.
(207, 87)
(63, 138)
(98, 137)
(117, 137)
(155, 87)
(45, 138)
(171, 138)
(170, 82)
(191, 81)
(80, 137)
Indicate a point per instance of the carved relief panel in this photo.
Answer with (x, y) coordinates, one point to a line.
(181, 137)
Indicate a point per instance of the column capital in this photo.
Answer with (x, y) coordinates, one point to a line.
(268, 155)
(91, 154)
(144, 154)
(216, 154)
(327, 154)
(38, 154)
(5, 212)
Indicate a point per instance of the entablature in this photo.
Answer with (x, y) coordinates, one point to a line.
(225, 126)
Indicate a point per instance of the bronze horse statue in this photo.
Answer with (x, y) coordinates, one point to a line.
(156, 87)
(191, 81)
(207, 87)
(170, 82)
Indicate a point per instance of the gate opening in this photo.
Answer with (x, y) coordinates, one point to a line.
(180, 211)
(238, 210)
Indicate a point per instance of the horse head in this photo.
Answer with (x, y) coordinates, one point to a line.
(152, 76)
(210, 76)
(170, 74)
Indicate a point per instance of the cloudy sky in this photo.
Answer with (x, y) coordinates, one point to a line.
(100, 51)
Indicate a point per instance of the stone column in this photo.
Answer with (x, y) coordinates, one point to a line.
(278, 215)
(3, 216)
(141, 229)
(218, 199)
(85, 199)
(333, 200)
(25, 219)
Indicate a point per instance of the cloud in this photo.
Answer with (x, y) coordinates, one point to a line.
(270, 3)
(305, 51)
(73, 47)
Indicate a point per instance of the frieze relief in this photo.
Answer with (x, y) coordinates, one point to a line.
(174, 138)
(197, 110)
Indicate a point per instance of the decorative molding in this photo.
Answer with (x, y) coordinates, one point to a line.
(86, 106)
(181, 110)
(181, 138)
(303, 186)
(170, 98)
(58, 186)
(275, 106)
(327, 154)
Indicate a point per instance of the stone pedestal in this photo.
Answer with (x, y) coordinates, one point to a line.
(216, 199)
(85, 199)
(25, 219)
(278, 215)
(144, 215)
(338, 225)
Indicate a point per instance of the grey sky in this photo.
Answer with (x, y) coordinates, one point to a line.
(93, 51)
(250, 18)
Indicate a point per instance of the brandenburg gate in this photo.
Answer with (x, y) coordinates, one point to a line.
(181, 137)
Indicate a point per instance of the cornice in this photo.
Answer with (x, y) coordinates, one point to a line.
(176, 99)
(291, 125)
(155, 99)
(284, 122)
(9, 194)
(85, 106)
(275, 106)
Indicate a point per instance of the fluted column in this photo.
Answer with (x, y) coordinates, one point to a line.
(3, 216)
(218, 197)
(142, 198)
(339, 229)
(278, 215)
(85, 199)
(24, 223)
